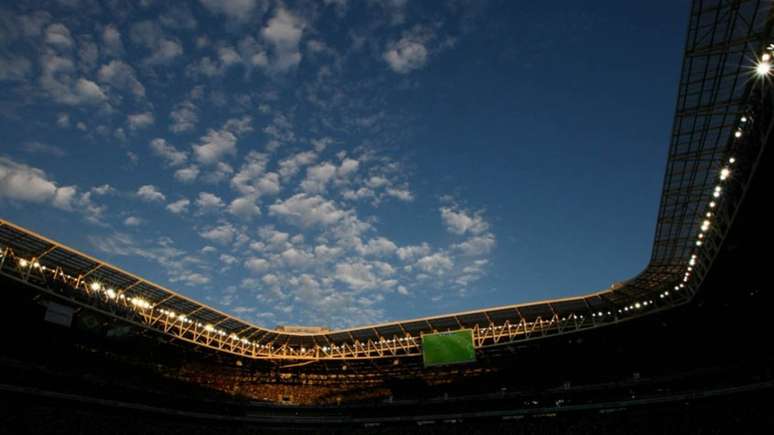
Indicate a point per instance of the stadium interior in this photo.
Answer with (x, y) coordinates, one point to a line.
(684, 347)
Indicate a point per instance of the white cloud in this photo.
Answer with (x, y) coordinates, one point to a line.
(379, 246)
(218, 143)
(240, 10)
(19, 182)
(348, 167)
(227, 259)
(168, 152)
(24, 183)
(406, 55)
(305, 210)
(58, 35)
(208, 201)
(244, 207)
(150, 193)
(358, 276)
(477, 245)
(132, 221)
(463, 222)
(408, 253)
(437, 263)
(256, 265)
(191, 279)
(88, 91)
(222, 234)
(121, 76)
(63, 120)
(41, 148)
(317, 177)
(111, 40)
(179, 206)
(251, 179)
(140, 120)
(291, 165)
(295, 258)
(187, 174)
(149, 34)
(283, 32)
(184, 117)
(57, 80)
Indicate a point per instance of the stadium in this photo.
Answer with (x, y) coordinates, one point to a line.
(683, 347)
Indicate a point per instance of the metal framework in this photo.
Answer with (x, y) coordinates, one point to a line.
(722, 121)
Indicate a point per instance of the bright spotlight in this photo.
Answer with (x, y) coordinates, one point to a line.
(763, 69)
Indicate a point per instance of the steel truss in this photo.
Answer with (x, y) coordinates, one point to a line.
(717, 90)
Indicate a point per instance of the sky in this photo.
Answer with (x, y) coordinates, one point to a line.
(343, 162)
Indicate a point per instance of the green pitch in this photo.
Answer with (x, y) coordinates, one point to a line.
(448, 348)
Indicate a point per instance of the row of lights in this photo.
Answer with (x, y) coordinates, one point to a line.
(142, 304)
(763, 69)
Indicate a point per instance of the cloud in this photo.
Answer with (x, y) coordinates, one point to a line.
(244, 207)
(187, 174)
(150, 193)
(283, 32)
(58, 35)
(121, 76)
(240, 10)
(306, 210)
(20, 182)
(208, 201)
(358, 275)
(317, 177)
(409, 253)
(437, 263)
(41, 148)
(291, 165)
(253, 180)
(379, 246)
(111, 41)
(24, 183)
(219, 143)
(132, 221)
(191, 279)
(477, 245)
(223, 234)
(257, 265)
(172, 155)
(184, 117)
(139, 121)
(179, 206)
(405, 56)
(462, 221)
(57, 79)
(163, 49)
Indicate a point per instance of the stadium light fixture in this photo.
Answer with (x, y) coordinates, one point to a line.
(738, 134)
(763, 68)
(23, 262)
(95, 286)
(724, 173)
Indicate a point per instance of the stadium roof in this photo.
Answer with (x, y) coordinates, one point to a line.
(709, 160)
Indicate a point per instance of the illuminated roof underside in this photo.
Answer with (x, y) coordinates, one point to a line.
(711, 156)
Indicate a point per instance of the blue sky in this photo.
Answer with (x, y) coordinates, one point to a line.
(343, 162)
